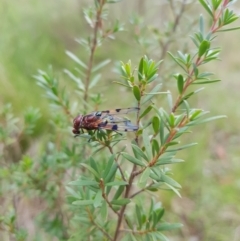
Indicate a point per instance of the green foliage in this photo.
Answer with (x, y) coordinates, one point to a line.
(105, 187)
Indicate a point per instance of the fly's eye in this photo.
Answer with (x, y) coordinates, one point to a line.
(99, 113)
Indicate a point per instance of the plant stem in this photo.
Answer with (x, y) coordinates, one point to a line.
(129, 186)
(93, 46)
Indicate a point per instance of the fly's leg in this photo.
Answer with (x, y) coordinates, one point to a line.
(79, 133)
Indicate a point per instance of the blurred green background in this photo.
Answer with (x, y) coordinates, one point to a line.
(35, 34)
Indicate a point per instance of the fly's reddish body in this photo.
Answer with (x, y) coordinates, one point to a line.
(107, 119)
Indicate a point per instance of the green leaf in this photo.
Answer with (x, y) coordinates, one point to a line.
(139, 216)
(77, 80)
(159, 236)
(173, 189)
(198, 122)
(145, 65)
(206, 82)
(155, 147)
(162, 139)
(93, 164)
(117, 183)
(195, 113)
(76, 59)
(72, 192)
(190, 94)
(136, 92)
(178, 61)
(111, 173)
(104, 211)
(109, 166)
(203, 48)
(139, 151)
(101, 65)
(121, 202)
(94, 81)
(133, 159)
(171, 120)
(118, 192)
(182, 147)
(91, 170)
(128, 221)
(229, 29)
(160, 213)
(168, 226)
(147, 98)
(146, 111)
(201, 24)
(140, 70)
(165, 161)
(128, 68)
(180, 83)
(170, 181)
(144, 177)
(207, 7)
(83, 202)
(195, 69)
(185, 103)
(156, 124)
(147, 144)
(216, 3)
(98, 199)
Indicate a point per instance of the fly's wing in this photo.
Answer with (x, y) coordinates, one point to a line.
(120, 111)
(125, 126)
(114, 123)
(109, 121)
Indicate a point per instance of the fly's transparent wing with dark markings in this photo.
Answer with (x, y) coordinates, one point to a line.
(120, 111)
(112, 122)
(125, 126)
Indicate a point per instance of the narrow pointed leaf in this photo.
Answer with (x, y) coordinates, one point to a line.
(83, 202)
(91, 170)
(146, 111)
(133, 159)
(169, 226)
(101, 65)
(139, 152)
(182, 147)
(118, 192)
(121, 202)
(180, 83)
(147, 144)
(117, 183)
(207, 7)
(98, 199)
(203, 48)
(144, 177)
(156, 124)
(76, 59)
(136, 92)
(104, 211)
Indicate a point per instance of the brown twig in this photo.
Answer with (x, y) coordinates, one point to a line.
(98, 226)
(141, 190)
(93, 45)
(105, 197)
(130, 182)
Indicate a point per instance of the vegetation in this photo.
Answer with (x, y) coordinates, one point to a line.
(106, 185)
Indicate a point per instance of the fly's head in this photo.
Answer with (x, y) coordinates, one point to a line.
(77, 124)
